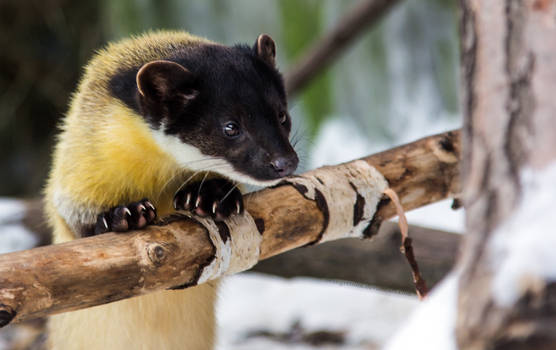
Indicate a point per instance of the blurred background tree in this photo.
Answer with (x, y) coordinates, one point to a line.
(44, 44)
(396, 83)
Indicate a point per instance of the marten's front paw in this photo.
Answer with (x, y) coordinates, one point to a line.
(133, 216)
(218, 198)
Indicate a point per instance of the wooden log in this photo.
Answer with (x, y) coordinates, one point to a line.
(109, 267)
(376, 262)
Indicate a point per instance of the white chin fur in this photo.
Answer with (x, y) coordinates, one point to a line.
(190, 157)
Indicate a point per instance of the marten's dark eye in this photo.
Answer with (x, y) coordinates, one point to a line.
(282, 118)
(231, 129)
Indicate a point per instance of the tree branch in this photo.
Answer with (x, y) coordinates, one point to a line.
(181, 252)
(375, 262)
(349, 27)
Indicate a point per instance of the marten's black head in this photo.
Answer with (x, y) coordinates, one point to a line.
(217, 108)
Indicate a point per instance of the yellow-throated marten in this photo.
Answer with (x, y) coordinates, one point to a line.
(159, 122)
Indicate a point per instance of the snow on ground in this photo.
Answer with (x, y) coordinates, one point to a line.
(522, 248)
(13, 235)
(432, 325)
(251, 303)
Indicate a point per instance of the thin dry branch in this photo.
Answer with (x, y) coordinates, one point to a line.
(110, 267)
(407, 247)
(349, 27)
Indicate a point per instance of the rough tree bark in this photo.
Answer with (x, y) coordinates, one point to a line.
(373, 262)
(110, 267)
(507, 301)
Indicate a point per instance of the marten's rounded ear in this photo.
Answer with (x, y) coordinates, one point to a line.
(165, 80)
(265, 49)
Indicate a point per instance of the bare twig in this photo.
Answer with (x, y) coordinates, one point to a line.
(323, 52)
(406, 247)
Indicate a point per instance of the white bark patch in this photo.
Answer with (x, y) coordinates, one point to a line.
(340, 186)
(238, 252)
(245, 242)
(521, 250)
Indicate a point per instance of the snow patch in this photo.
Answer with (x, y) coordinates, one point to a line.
(439, 215)
(340, 140)
(522, 248)
(13, 235)
(432, 326)
(16, 237)
(11, 210)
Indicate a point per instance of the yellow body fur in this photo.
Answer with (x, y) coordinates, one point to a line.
(105, 157)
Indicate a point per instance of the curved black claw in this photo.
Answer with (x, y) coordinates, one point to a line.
(122, 218)
(218, 198)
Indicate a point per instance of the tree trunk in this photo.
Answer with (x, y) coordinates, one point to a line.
(507, 294)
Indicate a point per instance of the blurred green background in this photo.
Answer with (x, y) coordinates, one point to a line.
(397, 82)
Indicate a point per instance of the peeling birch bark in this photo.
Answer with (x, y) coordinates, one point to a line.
(347, 195)
(182, 251)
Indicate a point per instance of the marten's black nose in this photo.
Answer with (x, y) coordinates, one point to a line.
(284, 166)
